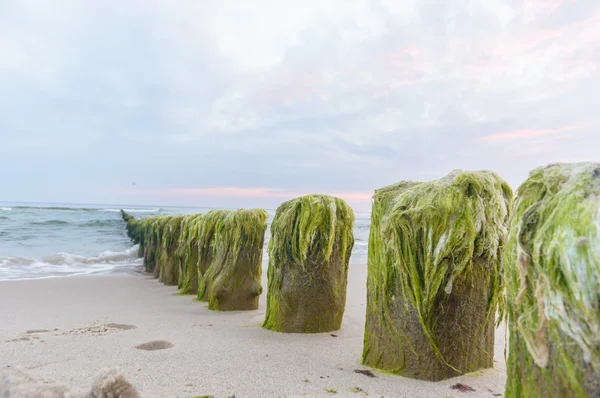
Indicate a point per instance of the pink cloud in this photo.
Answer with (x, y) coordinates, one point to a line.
(354, 196)
(544, 6)
(218, 192)
(402, 82)
(532, 151)
(290, 88)
(377, 76)
(541, 36)
(399, 57)
(238, 192)
(525, 134)
(380, 93)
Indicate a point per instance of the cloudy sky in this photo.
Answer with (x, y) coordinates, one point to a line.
(235, 103)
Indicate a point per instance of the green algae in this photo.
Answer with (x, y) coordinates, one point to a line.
(148, 248)
(157, 230)
(135, 233)
(309, 252)
(206, 247)
(433, 281)
(148, 233)
(130, 226)
(172, 246)
(134, 230)
(126, 216)
(187, 254)
(169, 243)
(233, 278)
(179, 253)
(552, 282)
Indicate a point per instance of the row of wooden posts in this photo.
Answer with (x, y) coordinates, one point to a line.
(448, 261)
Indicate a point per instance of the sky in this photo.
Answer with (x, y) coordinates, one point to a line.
(246, 104)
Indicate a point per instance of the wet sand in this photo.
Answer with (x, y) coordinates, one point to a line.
(65, 330)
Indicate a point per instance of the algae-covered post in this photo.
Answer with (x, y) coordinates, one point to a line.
(158, 229)
(153, 229)
(148, 243)
(135, 232)
(233, 279)
(131, 226)
(552, 279)
(169, 267)
(309, 253)
(206, 248)
(126, 216)
(187, 254)
(433, 279)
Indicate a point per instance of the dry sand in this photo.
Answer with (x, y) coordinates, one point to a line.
(66, 330)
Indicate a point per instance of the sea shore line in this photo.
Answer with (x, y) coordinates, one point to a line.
(67, 329)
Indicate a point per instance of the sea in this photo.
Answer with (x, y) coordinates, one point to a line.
(43, 240)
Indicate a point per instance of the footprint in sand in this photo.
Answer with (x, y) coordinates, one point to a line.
(154, 345)
(36, 331)
(26, 337)
(99, 329)
(120, 326)
(93, 329)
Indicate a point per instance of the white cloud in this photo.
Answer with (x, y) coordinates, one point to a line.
(282, 93)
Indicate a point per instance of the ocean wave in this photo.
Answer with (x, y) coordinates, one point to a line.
(50, 222)
(87, 209)
(103, 223)
(55, 208)
(66, 264)
(106, 257)
(92, 223)
(157, 210)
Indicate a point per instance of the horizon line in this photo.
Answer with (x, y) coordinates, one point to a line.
(122, 205)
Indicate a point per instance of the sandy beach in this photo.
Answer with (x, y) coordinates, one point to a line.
(67, 329)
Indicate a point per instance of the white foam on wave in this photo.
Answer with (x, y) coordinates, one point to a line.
(6, 208)
(66, 264)
(133, 210)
